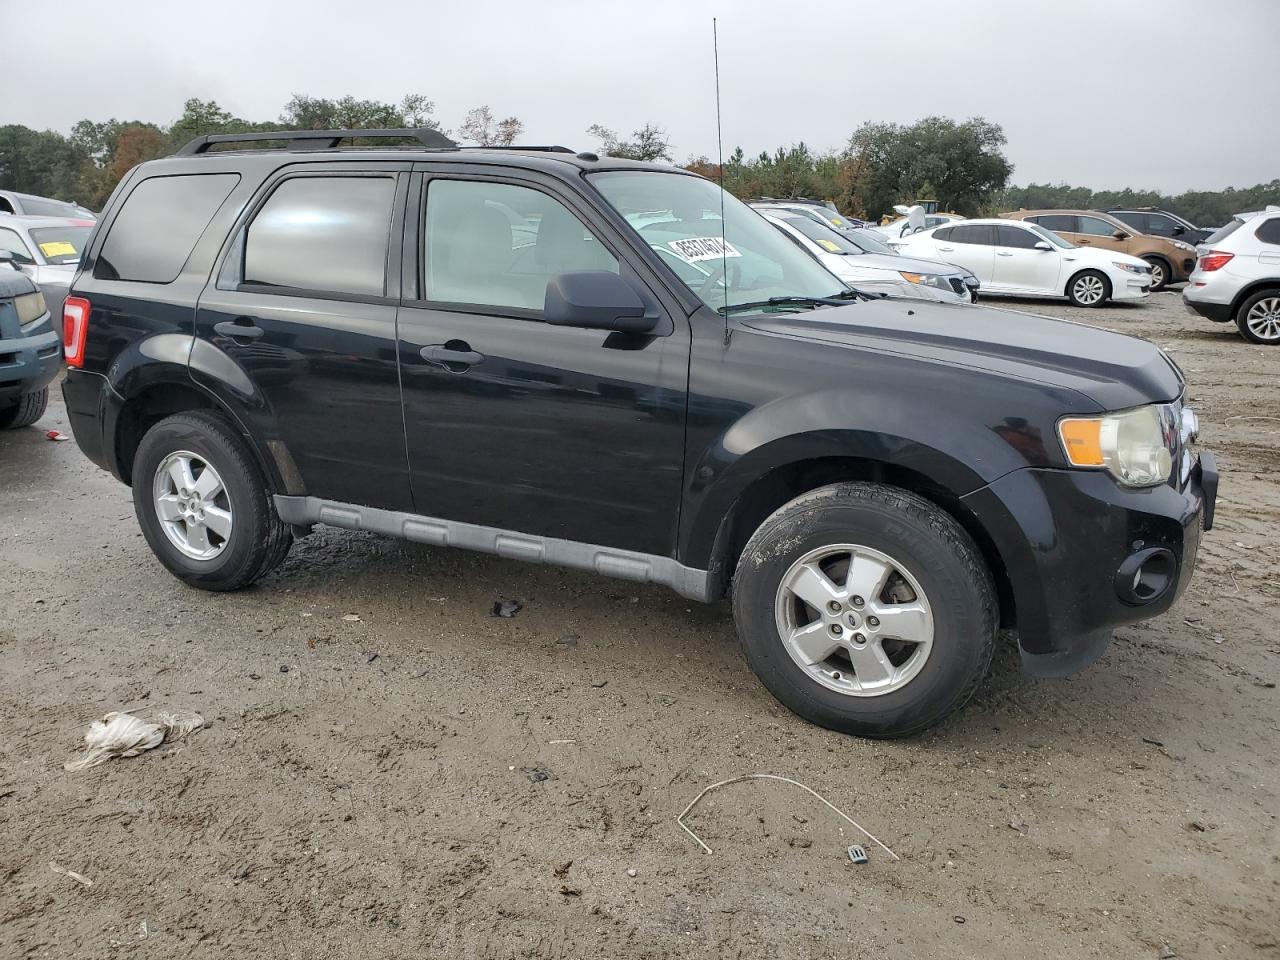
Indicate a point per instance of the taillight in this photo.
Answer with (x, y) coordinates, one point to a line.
(1215, 260)
(75, 326)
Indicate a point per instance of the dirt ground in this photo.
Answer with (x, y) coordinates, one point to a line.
(433, 781)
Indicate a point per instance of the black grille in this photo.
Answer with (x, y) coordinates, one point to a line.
(957, 284)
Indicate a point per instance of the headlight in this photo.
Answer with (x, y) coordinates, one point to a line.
(1182, 246)
(926, 280)
(30, 307)
(1131, 267)
(1135, 446)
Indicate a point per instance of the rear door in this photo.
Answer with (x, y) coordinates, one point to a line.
(1019, 265)
(1065, 225)
(1101, 234)
(968, 245)
(515, 424)
(300, 322)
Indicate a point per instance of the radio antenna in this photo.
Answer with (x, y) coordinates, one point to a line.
(724, 255)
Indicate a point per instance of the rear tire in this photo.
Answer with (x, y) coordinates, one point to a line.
(1089, 288)
(249, 540)
(1161, 273)
(29, 408)
(1258, 318)
(923, 578)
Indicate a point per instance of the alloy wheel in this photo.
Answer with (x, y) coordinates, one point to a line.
(1263, 319)
(1089, 290)
(192, 505)
(854, 619)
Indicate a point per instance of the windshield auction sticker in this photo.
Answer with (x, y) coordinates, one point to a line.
(694, 249)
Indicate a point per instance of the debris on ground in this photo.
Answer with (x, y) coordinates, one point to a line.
(631, 872)
(506, 608)
(1019, 825)
(352, 618)
(120, 734)
(56, 435)
(858, 853)
(371, 656)
(773, 776)
(536, 774)
(562, 871)
(284, 668)
(1154, 743)
(598, 684)
(568, 891)
(77, 877)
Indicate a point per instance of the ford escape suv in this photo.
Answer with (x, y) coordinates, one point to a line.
(576, 360)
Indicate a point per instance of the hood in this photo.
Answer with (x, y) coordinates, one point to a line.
(1112, 370)
(1101, 257)
(918, 265)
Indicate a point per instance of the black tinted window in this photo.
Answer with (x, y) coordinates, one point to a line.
(323, 233)
(1142, 222)
(973, 233)
(943, 234)
(1016, 237)
(1057, 222)
(1269, 232)
(159, 224)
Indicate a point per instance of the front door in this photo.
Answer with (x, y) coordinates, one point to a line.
(515, 424)
(1101, 234)
(300, 324)
(1019, 265)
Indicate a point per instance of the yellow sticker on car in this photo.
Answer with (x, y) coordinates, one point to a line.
(837, 221)
(58, 248)
(829, 245)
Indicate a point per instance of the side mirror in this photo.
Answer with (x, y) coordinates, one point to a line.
(9, 257)
(1179, 229)
(1120, 235)
(595, 300)
(1043, 245)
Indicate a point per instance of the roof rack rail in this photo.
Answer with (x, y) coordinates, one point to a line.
(516, 146)
(317, 139)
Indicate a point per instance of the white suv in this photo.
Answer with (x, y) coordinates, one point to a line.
(1237, 276)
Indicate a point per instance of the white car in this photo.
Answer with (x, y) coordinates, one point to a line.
(46, 249)
(1016, 258)
(897, 230)
(1237, 276)
(887, 273)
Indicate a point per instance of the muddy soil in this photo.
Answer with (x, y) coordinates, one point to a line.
(432, 781)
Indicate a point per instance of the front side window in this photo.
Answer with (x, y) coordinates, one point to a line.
(13, 243)
(740, 262)
(979, 233)
(60, 244)
(1093, 227)
(157, 228)
(1051, 237)
(498, 244)
(1015, 237)
(324, 234)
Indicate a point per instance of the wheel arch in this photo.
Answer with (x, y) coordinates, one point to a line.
(782, 484)
(1066, 289)
(1257, 286)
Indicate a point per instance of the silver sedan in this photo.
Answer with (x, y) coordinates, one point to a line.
(47, 249)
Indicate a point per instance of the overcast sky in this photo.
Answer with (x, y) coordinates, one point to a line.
(1171, 94)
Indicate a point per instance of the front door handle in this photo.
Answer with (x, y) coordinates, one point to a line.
(1003, 253)
(238, 330)
(1085, 242)
(946, 249)
(454, 355)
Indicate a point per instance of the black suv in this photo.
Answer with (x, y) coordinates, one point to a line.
(1161, 223)
(576, 360)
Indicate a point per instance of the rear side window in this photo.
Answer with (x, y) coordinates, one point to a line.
(1057, 222)
(1269, 232)
(982, 233)
(326, 234)
(158, 226)
(1016, 237)
(943, 234)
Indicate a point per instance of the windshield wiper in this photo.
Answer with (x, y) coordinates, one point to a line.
(836, 300)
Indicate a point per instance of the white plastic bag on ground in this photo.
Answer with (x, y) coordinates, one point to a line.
(124, 735)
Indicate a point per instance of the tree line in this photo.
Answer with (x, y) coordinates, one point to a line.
(961, 164)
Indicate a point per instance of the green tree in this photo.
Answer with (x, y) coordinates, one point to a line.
(963, 163)
(43, 162)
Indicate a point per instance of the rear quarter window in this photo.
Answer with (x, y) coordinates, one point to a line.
(1269, 232)
(158, 226)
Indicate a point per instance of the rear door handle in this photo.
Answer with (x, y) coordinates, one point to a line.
(452, 354)
(946, 249)
(1003, 253)
(237, 329)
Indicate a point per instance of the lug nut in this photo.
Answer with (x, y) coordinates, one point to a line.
(834, 606)
(873, 621)
(837, 629)
(857, 601)
(859, 638)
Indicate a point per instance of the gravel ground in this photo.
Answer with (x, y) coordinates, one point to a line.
(431, 780)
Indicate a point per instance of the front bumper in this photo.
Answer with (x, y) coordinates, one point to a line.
(1064, 536)
(29, 359)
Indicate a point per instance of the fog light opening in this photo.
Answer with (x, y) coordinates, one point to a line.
(1146, 576)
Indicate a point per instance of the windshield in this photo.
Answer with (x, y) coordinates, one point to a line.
(1049, 235)
(678, 216)
(826, 238)
(42, 207)
(869, 242)
(60, 244)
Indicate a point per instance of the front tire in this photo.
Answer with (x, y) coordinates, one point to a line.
(203, 504)
(1160, 273)
(1258, 318)
(27, 410)
(865, 609)
(1089, 288)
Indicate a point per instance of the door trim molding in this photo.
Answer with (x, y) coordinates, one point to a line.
(608, 561)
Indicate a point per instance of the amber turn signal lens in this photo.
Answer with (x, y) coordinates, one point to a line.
(1082, 440)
